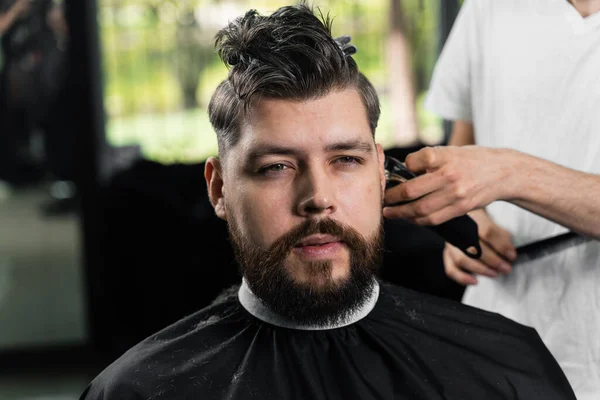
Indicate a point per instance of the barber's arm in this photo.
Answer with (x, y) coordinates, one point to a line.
(456, 180)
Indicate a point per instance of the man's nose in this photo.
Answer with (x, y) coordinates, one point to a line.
(316, 194)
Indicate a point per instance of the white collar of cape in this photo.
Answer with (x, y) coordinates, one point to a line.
(257, 308)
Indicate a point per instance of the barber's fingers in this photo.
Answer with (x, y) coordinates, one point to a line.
(439, 217)
(493, 260)
(430, 199)
(494, 235)
(425, 160)
(461, 268)
(414, 188)
(453, 271)
(500, 240)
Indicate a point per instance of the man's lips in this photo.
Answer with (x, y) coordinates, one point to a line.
(318, 240)
(319, 247)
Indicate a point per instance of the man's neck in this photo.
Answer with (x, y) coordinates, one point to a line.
(586, 7)
(257, 308)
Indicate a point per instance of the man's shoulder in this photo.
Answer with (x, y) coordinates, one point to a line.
(155, 357)
(440, 315)
(466, 335)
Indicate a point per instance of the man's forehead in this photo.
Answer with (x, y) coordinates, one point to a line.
(339, 101)
(322, 122)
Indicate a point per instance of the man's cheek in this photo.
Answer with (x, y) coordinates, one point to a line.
(265, 227)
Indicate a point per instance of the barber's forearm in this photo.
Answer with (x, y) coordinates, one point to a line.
(568, 197)
(463, 134)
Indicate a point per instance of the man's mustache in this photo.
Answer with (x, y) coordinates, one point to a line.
(328, 226)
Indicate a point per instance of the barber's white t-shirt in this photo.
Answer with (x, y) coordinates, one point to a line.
(527, 74)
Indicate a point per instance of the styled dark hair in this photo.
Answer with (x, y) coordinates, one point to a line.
(289, 54)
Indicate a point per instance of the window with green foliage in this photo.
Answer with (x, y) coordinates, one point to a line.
(159, 68)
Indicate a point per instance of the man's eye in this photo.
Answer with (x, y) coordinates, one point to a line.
(273, 168)
(349, 160)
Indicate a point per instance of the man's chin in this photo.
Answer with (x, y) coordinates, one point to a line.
(320, 294)
(319, 284)
(319, 276)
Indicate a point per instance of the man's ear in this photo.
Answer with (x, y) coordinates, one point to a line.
(381, 159)
(213, 174)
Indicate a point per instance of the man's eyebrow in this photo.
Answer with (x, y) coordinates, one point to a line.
(267, 150)
(358, 145)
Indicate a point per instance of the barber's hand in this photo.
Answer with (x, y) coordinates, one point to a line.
(453, 181)
(497, 251)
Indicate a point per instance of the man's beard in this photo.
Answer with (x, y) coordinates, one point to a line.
(309, 303)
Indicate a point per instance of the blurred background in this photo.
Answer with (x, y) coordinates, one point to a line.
(103, 135)
(160, 70)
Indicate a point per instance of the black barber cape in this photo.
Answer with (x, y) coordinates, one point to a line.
(406, 345)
